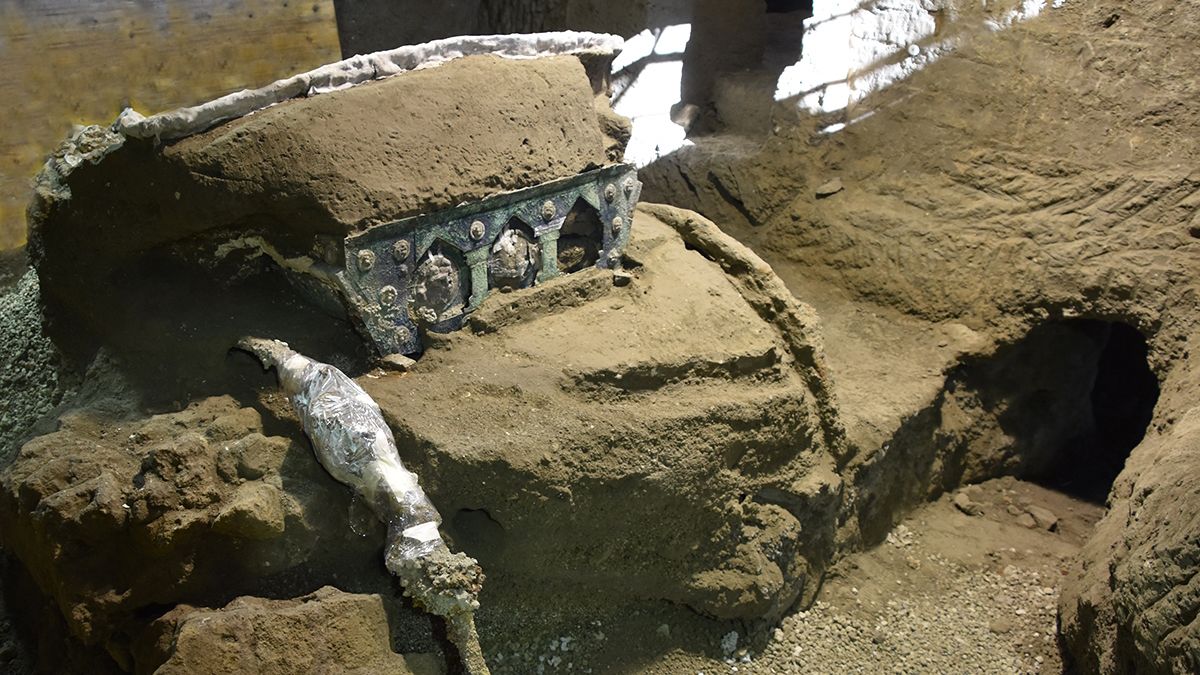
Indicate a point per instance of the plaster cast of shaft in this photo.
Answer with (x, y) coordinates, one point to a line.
(355, 445)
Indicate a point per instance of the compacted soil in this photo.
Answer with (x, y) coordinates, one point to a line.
(947, 592)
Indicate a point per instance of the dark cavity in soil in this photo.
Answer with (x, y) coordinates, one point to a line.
(1075, 397)
(1122, 398)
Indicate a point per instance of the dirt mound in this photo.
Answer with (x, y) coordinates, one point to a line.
(1037, 176)
(668, 440)
(645, 468)
(962, 200)
(135, 233)
(620, 428)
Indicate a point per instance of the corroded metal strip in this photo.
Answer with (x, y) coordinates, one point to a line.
(394, 265)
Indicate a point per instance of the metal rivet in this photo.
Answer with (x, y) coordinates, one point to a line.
(388, 295)
(400, 250)
(402, 334)
(628, 186)
(617, 224)
(477, 229)
(548, 210)
(366, 260)
(610, 192)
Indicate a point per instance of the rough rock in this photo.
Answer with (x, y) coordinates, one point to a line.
(1131, 600)
(255, 511)
(219, 507)
(1044, 518)
(683, 438)
(963, 503)
(32, 377)
(796, 322)
(669, 438)
(830, 187)
(397, 362)
(328, 631)
(899, 240)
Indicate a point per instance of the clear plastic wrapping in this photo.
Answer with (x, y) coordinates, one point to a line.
(355, 445)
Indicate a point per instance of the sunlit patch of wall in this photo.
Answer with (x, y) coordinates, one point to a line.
(853, 48)
(67, 62)
(647, 77)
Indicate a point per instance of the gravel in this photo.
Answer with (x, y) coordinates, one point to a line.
(29, 364)
(980, 624)
(969, 619)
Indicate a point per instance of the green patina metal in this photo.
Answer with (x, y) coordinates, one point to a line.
(389, 264)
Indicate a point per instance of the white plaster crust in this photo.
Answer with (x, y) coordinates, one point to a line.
(357, 70)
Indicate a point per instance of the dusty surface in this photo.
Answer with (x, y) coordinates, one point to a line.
(690, 497)
(698, 417)
(1131, 599)
(277, 636)
(1044, 194)
(947, 592)
(654, 474)
(711, 408)
(963, 202)
(216, 503)
(67, 62)
(332, 163)
(423, 140)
